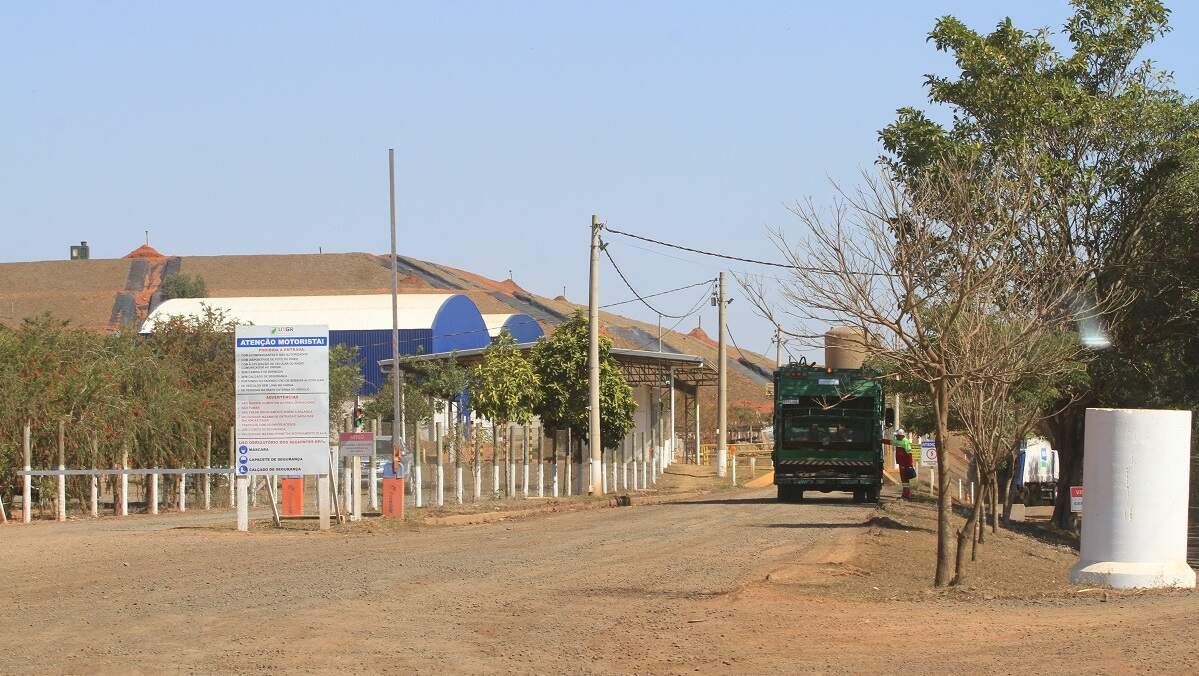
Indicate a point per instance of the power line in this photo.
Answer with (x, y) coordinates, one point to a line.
(660, 293)
(755, 261)
(630, 286)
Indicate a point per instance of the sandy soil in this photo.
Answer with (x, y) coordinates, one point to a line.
(730, 582)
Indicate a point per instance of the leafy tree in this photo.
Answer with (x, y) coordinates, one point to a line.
(504, 386)
(416, 403)
(345, 381)
(183, 285)
(561, 365)
(1113, 143)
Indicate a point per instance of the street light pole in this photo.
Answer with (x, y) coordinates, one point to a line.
(397, 417)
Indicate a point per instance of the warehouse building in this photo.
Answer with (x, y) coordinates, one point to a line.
(429, 322)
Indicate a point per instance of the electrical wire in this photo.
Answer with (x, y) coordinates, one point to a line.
(660, 293)
(630, 286)
(755, 261)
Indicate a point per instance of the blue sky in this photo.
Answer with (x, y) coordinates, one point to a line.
(263, 127)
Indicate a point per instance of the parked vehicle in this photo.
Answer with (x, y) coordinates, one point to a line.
(1037, 472)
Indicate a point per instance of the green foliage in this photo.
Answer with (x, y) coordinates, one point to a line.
(183, 285)
(154, 396)
(561, 365)
(416, 404)
(504, 388)
(345, 380)
(441, 380)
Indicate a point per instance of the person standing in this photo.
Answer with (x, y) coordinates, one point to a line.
(903, 458)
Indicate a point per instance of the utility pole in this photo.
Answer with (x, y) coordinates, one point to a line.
(593, 366)
(778, 347)
(722, 395)
(397, 416)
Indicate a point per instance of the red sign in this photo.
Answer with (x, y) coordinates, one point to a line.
(1076, 498)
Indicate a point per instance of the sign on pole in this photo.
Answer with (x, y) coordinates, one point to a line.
(928, 453)
(359, 444)
(1076, 498)
(282, 388)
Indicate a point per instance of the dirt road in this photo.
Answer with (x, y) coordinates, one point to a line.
(735, 583)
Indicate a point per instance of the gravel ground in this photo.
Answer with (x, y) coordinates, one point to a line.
(733, 582)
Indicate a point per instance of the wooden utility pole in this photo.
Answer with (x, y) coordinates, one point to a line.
(722, 413)
(593, 366)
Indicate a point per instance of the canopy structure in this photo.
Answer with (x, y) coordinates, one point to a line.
(640, 367)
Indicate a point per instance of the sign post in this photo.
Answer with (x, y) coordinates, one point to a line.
(282, 403)
(355, 446)
(928, 453)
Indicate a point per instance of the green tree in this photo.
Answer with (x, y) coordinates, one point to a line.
(504, 387)
(345, 381)
(1112, 141)
(416, 403)
(561, 365)
(183, 285)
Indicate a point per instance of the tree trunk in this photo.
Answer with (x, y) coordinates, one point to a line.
(965, 536)
(1009, 495)
(980, 506)
(941, 412)
(1064, 432)
(994, 502)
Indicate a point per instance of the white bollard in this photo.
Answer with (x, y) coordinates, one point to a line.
(323, 500)
(1134, 530)
(356, 478)
(635, 484)
(440, 485)
(243, 504)
(753, 466)
(153, 497)
(459, 494)
(612, 463)
(733, 468)
(603, 478)
(182, 492)
(125, 483)
(95, 496)
(418, 488)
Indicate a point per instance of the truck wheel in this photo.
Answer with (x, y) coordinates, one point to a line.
(872, 494)
(859, 495)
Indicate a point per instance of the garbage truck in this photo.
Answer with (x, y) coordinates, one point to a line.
(828, 431)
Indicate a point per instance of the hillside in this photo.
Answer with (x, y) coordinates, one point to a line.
(106, 294)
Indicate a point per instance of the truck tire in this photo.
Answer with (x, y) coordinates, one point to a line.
(872, 494)
(859, 495)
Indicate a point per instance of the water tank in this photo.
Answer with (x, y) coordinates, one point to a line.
(1134, 523)
(81, 252)
(843, 348)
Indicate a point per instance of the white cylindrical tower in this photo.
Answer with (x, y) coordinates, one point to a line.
(1134, 527)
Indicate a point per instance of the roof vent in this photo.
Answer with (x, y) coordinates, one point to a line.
(81, 252)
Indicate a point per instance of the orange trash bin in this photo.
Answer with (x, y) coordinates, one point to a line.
(292, 491)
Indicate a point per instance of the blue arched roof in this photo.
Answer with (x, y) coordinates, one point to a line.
(523, 328)
(458, 325)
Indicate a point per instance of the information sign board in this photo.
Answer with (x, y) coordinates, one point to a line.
(928, 452)
(1076, 498)
(282, 391)
(358, 444)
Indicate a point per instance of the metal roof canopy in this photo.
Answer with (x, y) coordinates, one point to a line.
(640, 367)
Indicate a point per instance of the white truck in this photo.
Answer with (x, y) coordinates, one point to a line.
(1037, 472)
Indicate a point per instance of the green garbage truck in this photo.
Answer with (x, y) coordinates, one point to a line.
(828, 431)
